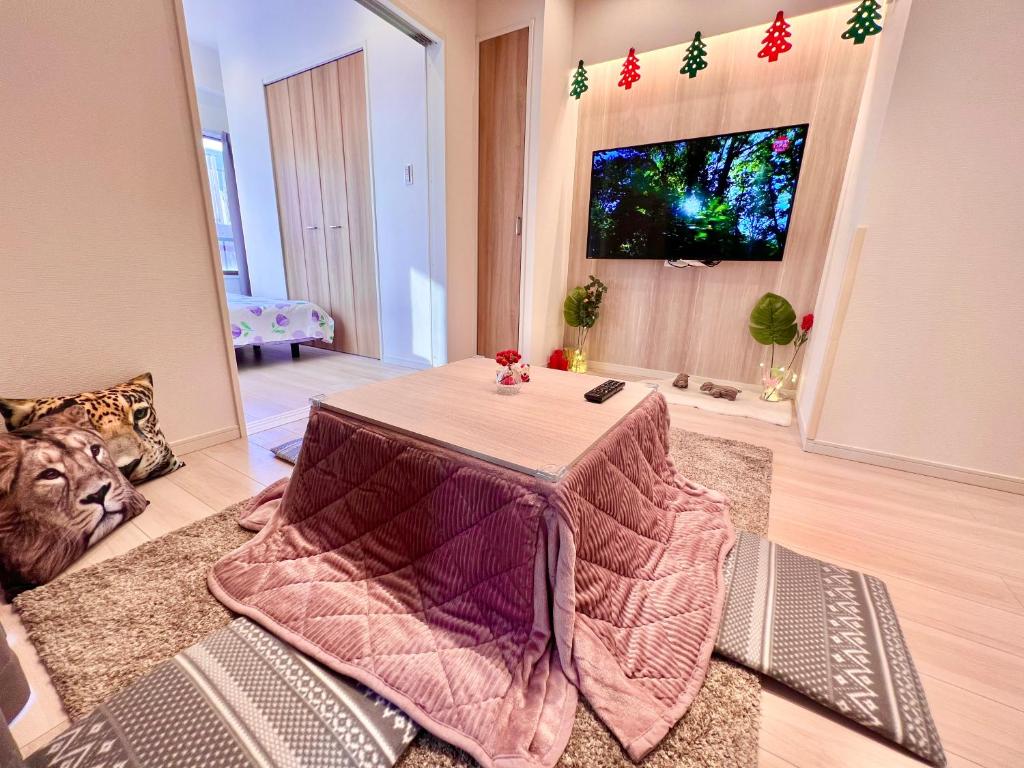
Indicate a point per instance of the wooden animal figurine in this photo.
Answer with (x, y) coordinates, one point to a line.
(719, 390)
(682, 381)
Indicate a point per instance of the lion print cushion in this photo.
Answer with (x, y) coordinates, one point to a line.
(60, 493)
(123, 415)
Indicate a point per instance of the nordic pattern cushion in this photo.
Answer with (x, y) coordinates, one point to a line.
(124, 415)
(829, 633)
(239, 698)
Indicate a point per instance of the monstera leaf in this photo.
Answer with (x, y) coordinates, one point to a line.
(772, 320)
(573, 308)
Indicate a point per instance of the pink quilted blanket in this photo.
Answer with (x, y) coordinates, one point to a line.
(481, 600)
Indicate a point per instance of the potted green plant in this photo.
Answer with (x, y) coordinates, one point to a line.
(581, 309)
(773, 322)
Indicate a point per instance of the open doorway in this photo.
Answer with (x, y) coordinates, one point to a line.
(315, 135)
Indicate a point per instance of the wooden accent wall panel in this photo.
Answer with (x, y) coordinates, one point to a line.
(504, 63)
(695, 319)
(319, 132)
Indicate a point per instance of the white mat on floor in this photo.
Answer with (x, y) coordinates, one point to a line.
(748, 402)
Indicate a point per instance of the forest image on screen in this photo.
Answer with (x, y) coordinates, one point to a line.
(723, 197)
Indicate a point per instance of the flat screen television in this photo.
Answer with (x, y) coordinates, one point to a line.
(715, 198)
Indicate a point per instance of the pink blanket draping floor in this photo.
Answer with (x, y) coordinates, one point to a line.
(481, 600)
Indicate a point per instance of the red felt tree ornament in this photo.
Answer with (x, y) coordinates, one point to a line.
(775, 42)
(630, 70)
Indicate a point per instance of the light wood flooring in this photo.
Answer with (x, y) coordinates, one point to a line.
(275, 384)
(952, 555)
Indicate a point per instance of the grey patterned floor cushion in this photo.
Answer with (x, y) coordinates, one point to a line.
(239, 698)
(288, 451)
(828, 633)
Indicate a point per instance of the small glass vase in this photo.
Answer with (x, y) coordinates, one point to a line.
(577, 359)
(774, 381)
(501, 382)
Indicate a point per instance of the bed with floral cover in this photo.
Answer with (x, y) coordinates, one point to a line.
(256, 320)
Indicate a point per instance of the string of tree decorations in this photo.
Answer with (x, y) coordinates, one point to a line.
(579, 82)
(775, 41)
(630, 70)
(864, 22)
(696, 57)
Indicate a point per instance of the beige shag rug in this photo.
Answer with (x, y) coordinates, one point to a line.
(101, 628)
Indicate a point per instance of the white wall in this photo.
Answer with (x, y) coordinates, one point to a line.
(263, 40)
(454, 23)
(105, 258)
(213, 112)
(930, 361)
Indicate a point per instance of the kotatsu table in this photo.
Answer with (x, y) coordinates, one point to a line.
(480, 559)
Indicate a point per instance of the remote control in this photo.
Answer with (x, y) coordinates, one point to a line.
(602, 392)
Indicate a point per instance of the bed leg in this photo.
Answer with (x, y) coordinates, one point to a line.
(295, 351)
(257, 351)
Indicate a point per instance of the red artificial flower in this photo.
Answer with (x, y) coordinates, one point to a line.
(507, 357)
(508, 380)
(807, 322)
(558, 360)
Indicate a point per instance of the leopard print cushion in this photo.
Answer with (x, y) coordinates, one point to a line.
(125, 417)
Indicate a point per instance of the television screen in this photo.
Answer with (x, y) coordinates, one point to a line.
(715, 198)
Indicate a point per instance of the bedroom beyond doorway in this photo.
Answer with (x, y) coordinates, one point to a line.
(316, 144)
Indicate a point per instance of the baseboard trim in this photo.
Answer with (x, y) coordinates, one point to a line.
(406, 362)
(199, 442)
(617, 369)
(957, 474)
(259, 425)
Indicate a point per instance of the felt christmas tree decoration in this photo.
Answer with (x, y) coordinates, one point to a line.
(630, 70)
(696, 57)
(579, 82)
(775, 42)
(864, 22)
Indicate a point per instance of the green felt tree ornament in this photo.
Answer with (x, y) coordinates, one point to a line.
(579, 82)
(864, 22)
(696, 57)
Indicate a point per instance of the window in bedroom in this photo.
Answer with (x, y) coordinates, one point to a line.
(223, 194)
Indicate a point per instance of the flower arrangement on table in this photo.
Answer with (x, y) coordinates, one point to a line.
(773, 322)
(512, 371)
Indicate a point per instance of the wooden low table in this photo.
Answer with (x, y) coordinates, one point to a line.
(541, 431)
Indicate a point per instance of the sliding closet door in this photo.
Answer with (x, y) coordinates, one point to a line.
(287, 184)
(356, 128)
(307, 172)
(502, 121)
(321, 146)
(327, 103)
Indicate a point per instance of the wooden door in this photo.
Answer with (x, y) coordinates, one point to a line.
(319, 135)
(504, 62)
